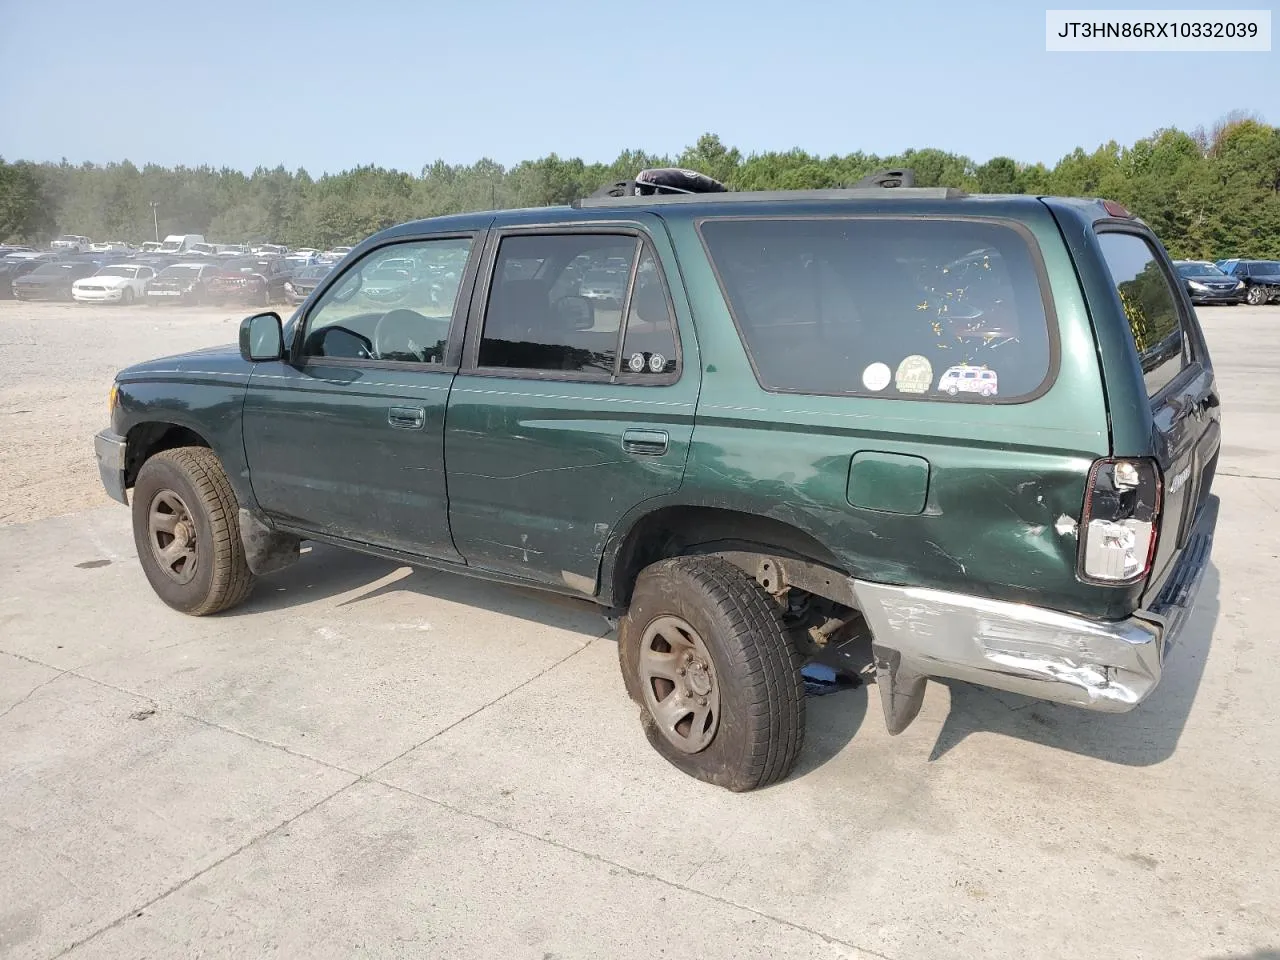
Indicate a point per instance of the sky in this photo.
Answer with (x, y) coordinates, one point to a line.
(328, 85)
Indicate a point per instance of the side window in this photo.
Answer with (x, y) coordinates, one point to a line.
(564, 315)
(649, 344)
(394, 303)
(1149, 305)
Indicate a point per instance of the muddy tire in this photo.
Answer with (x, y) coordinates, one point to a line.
(187, 532)
(705, 655)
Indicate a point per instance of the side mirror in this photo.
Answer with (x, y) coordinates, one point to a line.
(578, 313)
(261, 337)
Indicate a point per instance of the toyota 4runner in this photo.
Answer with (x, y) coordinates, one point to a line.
(981, 430)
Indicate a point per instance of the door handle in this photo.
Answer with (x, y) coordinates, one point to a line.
(407, 418)
(649, 443)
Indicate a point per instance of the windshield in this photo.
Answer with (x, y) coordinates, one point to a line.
(181, 272)
(312, 273)
(117, 272)
(171, 246)
(50, 270)
(1199, 270)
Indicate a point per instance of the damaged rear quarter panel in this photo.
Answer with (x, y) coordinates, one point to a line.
(1002, 478)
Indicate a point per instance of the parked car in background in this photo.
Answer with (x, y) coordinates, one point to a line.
(71, 242)
(111, 246)
(180, 243)
(604, 287)
(270, 249)
(259, 280)
(1207, 284)
(150, 246)
(182, 283)
(8, 248)
(203, 250)
(115, 283)
(334, 254)
(17, 264)
(1260, 277)
(53, 279)
(298, 287)
(232, 250)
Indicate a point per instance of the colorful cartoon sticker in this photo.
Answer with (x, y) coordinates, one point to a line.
(636, 363)
(966, 378)
(914, 375)
(877, 376)
(657, 363)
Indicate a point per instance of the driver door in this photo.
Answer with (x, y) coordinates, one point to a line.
(346, 439)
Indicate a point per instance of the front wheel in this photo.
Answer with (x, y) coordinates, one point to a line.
(186, 529)
(704, 653)
(1256, 296)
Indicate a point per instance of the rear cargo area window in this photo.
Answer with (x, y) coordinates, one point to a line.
(907, 308)
(1149, 306)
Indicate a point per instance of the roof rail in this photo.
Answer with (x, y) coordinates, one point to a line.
(834, 193)
(674, 185)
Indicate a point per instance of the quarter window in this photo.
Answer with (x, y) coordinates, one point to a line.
(394, 303)
(1150, 306)
(557, 304)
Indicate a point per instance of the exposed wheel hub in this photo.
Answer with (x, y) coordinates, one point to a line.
(680, 689)
(171, 533)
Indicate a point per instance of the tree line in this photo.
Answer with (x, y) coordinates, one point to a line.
(1208, 193)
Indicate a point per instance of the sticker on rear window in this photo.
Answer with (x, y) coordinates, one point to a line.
(966, 378)
(914, 375)
(876, 376)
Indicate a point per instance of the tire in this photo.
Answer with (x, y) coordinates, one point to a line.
(126, 298)
(1256, 296)
(212, 575)
(755, 694)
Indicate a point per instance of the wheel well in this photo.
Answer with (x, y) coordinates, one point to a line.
(673, 531)
(145, 440)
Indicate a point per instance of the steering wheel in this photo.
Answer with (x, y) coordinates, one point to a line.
(393, 336)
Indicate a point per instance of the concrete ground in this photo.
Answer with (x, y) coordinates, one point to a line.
(366, 760)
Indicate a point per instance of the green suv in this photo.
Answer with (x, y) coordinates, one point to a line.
(978, 431)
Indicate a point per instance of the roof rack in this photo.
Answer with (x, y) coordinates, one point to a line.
(674, 185)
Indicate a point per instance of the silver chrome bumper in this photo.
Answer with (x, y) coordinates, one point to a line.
(1109, 666)
(111, 453)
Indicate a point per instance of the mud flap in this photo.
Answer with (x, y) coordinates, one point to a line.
(901, 689)
(266, 550)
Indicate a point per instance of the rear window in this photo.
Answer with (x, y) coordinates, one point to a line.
(1150, 306)
(908, 308)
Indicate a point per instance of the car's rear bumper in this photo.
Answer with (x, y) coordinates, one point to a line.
(110, 451)
(1109, 666)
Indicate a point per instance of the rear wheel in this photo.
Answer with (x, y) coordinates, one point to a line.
(704, 653)
(187, 532)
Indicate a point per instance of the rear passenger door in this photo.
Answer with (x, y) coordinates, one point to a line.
(1179, 380)
(575, 398)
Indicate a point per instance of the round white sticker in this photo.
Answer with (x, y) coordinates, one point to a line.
(877, 376)
(657, 363)
(636, 363)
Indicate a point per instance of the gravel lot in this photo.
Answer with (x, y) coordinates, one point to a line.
(368, 760)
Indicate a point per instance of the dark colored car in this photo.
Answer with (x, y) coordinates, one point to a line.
(182, 283)
(53, 279)
(12, 267)
(781, 442)
(1206, 284)
(259, 280)
(298, 287)
(1260, 277)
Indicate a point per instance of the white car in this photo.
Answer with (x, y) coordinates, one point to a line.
(110, 246)
(119, 283)
(71, 242)
(334, 255)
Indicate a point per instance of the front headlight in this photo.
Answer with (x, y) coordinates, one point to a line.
(1239, 284)
(1197, 285)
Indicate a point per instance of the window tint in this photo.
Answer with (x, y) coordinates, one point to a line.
(395, 303)
(906, 308)
(649, 345)
(556, 303)
(1150, 306)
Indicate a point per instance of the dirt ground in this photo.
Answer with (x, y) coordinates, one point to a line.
(57, 361)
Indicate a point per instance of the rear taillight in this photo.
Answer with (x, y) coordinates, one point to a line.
(1121, 520)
